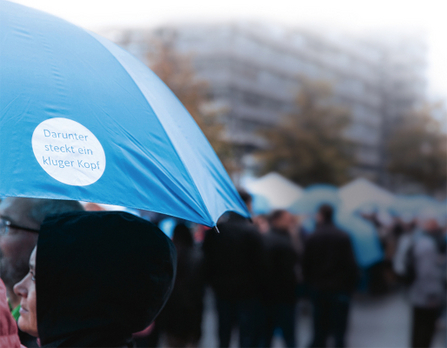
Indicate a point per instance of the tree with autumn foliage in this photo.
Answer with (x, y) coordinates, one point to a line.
(176, 71)
(308, 146)
(417, 148)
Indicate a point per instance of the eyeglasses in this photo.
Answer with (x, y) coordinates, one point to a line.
(5, 225)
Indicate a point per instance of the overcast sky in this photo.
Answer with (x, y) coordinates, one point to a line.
(428, 15)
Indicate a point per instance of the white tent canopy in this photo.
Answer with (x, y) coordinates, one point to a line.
(279, 191)
(361, 192)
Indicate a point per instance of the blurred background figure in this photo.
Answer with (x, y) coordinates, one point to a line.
(20, 220)
(428, 290)
(233, 261)
(404, 231)
(262, 223)
(330, 270)
(181, 319)
(377, 273)
(283, 275)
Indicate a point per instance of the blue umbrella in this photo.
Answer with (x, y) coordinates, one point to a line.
(260, 204)
(364, 237)
(412, 204)
(167, 226)
(82, 119)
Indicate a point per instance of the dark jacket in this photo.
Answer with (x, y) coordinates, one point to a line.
(234, 259)
(328, 262)
(181, 318)
(282, 263)
(100, 276)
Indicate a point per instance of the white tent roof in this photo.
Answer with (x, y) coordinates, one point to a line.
(361, 192)
(279, 191)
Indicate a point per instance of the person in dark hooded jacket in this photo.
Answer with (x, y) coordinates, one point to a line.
(234, 266)
(95, 278)
(282, 278)
(181, 318)
(331, 272)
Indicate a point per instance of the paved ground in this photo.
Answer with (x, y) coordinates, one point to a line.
(375, 322)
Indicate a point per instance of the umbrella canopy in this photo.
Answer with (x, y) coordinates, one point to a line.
(82, 119)
(167, 225)
(362, 193)
(279, 191)
(260, 204)
(415, 205)
(364, 237)
(411, 204)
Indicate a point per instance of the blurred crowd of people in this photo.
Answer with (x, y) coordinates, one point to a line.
(415, 256)
(258, 270)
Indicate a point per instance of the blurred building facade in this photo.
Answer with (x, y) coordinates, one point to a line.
(403, 87)
(253, 72)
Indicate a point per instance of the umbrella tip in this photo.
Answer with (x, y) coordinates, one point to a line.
(217, 230)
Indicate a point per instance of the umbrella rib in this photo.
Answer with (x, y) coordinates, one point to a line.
(206, 211)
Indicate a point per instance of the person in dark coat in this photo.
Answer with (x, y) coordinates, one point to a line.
(331, 272)
(181, 318)
(95, 278)
(282, 276)
(233, 262)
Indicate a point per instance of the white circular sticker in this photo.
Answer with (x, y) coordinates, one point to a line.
(68, 151)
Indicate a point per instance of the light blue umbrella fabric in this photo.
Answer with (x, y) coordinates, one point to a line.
(260, 204)
(411, 204)
(82, 119)
(167, 226)
(364, 237)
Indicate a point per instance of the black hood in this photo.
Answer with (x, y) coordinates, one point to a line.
(100, 276)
